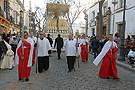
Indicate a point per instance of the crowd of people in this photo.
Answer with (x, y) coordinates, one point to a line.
(24, 52)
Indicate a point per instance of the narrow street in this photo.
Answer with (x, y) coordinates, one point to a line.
(57, 78)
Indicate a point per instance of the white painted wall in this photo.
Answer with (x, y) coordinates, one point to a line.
(26, 20)
(78, 27)
(130, 16)
(90, 17)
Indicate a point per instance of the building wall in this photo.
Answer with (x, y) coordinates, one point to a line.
(4, 19)
(26, 21)
(15, 8)
(79, 28)
(130, 20)
(92, 20)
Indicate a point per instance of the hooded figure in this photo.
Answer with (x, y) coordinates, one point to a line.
(8, 60)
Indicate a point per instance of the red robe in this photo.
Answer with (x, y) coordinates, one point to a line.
(23, 70)
(84, 54)
(108, 68)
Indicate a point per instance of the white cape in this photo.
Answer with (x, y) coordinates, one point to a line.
(31, 52)
(105, 49)
(8, 60)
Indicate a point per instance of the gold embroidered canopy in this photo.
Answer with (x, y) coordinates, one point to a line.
(57, 9)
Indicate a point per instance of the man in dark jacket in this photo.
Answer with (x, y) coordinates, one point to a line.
(95, 46)
(60, 43)
(51, 42)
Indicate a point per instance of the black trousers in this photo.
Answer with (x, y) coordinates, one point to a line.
(49, 52)
(59, 52)
(70, 62)
(95, 52)
(43, 63)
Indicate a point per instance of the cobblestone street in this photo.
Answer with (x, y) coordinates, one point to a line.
(57, 78)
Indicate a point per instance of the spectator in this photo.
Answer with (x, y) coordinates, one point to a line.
(10, 39)
(127, 45)
(4, 37)
(132, 45)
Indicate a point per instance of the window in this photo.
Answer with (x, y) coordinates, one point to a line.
(17, 6)
(120, 27)
(121, 3)
(105, 9)
(14, 2)
(104, 30)
(93, 15)
(93, 31)
(6, 9)
(15, 17)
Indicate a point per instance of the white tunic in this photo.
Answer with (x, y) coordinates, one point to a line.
(70, 46)
(83, 41)
(43, 47)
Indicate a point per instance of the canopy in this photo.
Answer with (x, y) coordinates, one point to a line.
(57, 9)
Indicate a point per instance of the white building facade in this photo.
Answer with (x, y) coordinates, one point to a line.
(108, 13)
(26, 21)
(80, 27)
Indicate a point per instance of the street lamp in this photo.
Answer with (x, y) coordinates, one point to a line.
(114, 2)
(122, 56)
(21, 13)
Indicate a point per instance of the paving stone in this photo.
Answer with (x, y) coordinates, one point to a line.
(57, 78)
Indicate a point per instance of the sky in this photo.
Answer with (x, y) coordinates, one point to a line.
(42, 5)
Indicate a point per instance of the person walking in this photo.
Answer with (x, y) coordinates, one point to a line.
(95, 46)
(84, 48)
(59, 42)
(70, 45)
(43, 46)
(24, 59)
(108, 67)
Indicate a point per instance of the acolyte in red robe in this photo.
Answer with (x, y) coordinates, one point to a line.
(108, 66)
(84, 53)
(23, 70)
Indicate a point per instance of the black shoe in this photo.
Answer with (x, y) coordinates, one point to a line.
(86, 59)
(108, 77)
(27, 79)
(32, 64)
(20, 79)
(50, 56)
(83, 61)
(10, 69)
(69, 71)
(116, 78)
(59, 58)
(40, 72)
